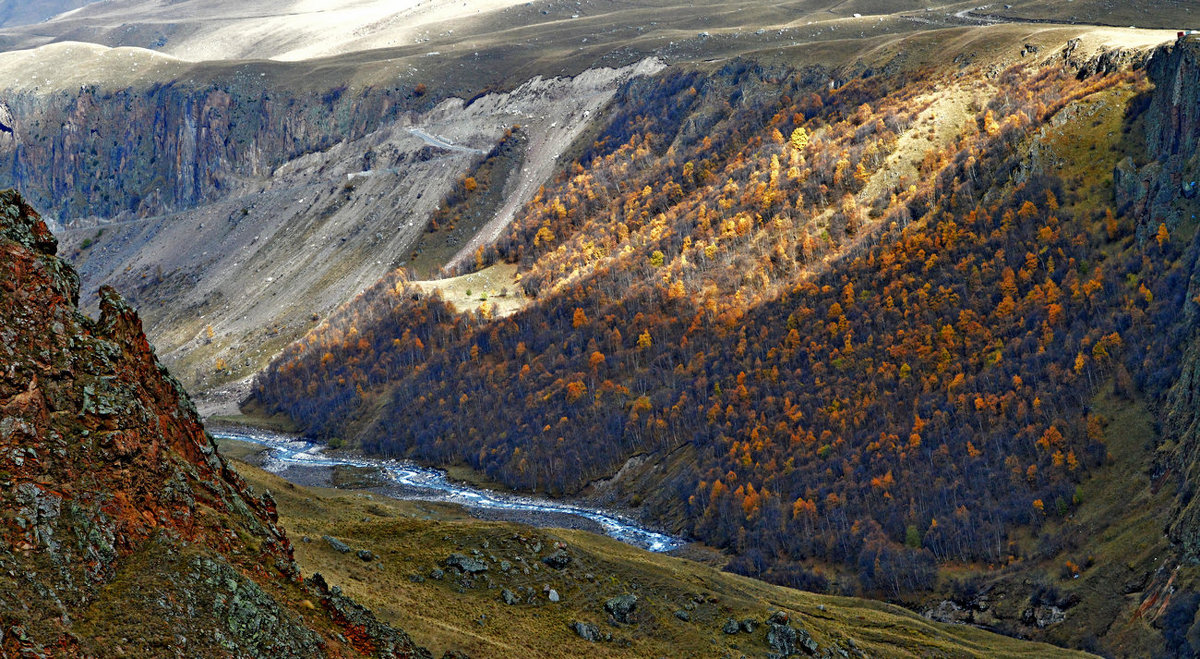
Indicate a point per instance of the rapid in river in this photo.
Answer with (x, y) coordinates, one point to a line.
(426, 484)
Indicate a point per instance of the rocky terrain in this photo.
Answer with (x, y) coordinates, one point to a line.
(122, 531)
(239, 171)
(498, 589)
(234, 214)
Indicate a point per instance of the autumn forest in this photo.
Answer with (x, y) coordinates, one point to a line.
(848, 335)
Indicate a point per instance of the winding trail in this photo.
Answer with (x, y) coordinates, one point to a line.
(424, 484)
(434, 140)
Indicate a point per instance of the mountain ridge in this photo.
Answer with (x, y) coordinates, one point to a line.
(117, 513)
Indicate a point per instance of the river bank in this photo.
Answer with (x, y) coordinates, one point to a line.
(310, 464)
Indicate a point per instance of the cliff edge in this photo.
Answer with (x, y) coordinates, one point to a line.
(122, 530)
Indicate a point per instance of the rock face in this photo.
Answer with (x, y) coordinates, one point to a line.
(121, 528)
(1166, 191)
(114, 153)
(1160, 191)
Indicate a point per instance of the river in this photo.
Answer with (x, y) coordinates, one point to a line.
(425, 484)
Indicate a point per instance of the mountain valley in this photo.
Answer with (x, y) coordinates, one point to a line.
(871, 301)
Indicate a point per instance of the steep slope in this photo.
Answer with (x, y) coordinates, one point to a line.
(122, 532)
(1173, 127)
(188, 195)
(798, 354)
(186, 177)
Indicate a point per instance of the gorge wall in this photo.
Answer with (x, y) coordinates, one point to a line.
(122, 530)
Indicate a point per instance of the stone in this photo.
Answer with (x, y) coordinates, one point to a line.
(337, 545)
(788, 641)
(558, 560)
(508, 597)
(366, 555)
(621, 607)
(748, 625)
(683, 615)
(587, 631)
(552, 595)
(731, 626)
(437, 573)
(465, 563)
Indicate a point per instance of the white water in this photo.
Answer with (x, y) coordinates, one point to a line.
(425, 484)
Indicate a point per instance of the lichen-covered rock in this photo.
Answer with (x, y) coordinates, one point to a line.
(621, 607)
(787, 641)
(588, 631)
(466, 563)
(120, 524)
(558, 560)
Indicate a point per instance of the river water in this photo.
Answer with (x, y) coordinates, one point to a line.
(425, 484)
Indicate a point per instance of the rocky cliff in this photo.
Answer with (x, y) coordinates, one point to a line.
(136, 152)
(1162, 189)
(1166, 192)
(122, 531)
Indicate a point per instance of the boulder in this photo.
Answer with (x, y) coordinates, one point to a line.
(621, 607)
(789, 641)
(731, 626)
(338, 545)
(558, 560)
(587, 631)
(465, 563)
(366, 555)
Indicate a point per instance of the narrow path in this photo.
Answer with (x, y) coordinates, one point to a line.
(434, 140)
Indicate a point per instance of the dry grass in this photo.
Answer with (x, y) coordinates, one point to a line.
(411, 538)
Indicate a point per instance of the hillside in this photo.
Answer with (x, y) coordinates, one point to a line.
(681, 609)
(307, 159)
(884, 298)
(122, 531)
(810, 324)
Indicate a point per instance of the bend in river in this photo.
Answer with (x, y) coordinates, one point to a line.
(426, 484)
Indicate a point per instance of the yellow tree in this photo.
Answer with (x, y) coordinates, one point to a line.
(799, 139)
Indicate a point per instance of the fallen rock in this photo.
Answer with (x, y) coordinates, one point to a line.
(587, 631)
(338, 545)
(788, 641)
(621, 607)
(366, 555)
(508, 597)
(552, 595)
(731, 626)
(748, 625)
(558, 560)
(465, 563)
